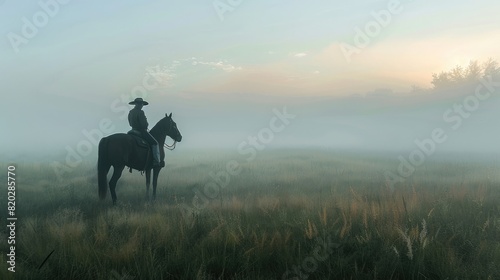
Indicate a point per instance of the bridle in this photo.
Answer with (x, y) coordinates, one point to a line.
(170, 147)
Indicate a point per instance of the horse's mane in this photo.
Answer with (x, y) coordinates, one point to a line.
(157, 127)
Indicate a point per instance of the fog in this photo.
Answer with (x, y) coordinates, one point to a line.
(67, 82)
(381, 121)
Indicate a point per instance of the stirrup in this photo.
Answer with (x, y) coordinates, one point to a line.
(158, 164)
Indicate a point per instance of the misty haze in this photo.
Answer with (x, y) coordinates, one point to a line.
(250, 140)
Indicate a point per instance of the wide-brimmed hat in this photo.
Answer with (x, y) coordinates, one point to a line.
(138, 100)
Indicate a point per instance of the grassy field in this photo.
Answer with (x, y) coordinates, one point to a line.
(307, 214)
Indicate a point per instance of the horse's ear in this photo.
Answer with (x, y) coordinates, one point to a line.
(170, 116)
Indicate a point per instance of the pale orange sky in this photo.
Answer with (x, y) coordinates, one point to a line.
(390, 64)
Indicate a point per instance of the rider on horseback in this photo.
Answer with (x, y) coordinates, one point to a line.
(137, 120)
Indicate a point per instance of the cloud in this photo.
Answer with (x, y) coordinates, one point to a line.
(395, 64)
(162, 74)
(300, 55)
(220, 65)
(166, 75)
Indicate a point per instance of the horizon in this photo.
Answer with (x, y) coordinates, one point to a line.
(338, 141)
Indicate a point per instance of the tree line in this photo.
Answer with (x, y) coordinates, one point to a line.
(462, 76)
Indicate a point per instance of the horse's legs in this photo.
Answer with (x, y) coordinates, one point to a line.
(117, 173)
(148, 181)
(156, 171)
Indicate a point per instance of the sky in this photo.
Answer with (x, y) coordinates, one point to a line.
(66, 65)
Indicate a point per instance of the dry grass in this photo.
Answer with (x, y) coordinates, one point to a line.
(260, 227)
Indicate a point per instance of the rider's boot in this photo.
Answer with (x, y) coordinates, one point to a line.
(156, 156)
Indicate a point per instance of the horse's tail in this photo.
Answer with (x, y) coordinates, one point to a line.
(103, 167)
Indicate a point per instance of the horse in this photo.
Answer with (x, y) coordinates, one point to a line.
(120, 150)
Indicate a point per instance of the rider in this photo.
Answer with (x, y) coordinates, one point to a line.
(137, 120)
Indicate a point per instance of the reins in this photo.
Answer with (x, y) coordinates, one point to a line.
(170, 147)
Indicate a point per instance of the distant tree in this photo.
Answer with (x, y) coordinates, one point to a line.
(473, 72)
(459, 76)
(441, 80)
(491, 68)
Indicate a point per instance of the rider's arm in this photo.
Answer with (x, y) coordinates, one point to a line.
(143, 120)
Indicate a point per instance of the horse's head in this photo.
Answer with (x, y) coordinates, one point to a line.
(171, 128)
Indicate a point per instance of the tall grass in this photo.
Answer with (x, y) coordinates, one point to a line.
(442, 223)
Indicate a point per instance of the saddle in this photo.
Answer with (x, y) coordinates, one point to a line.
(138, 138)
(142, 144)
